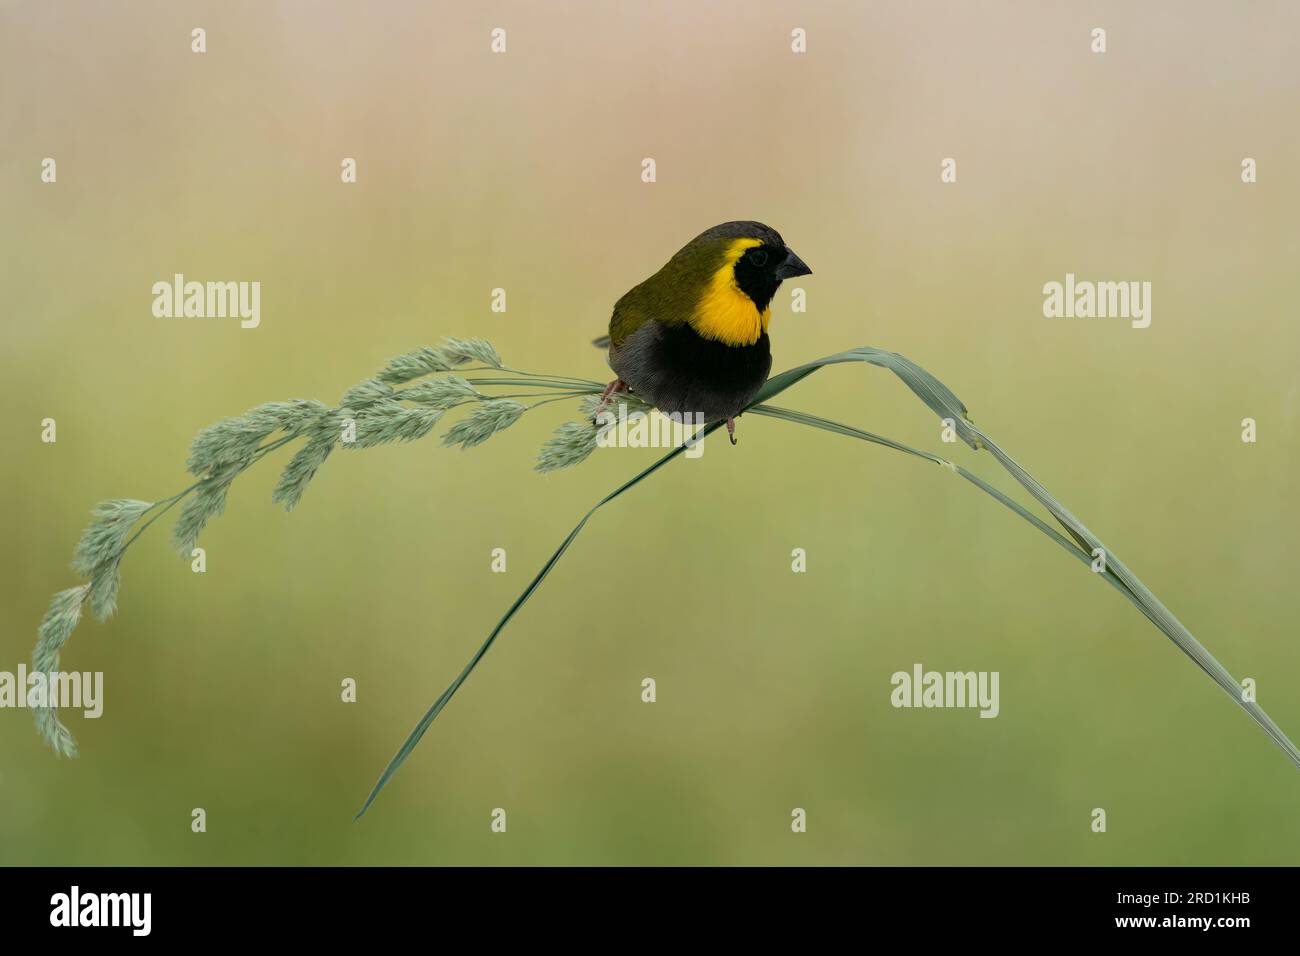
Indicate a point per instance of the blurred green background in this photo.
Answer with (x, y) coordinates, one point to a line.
(522, 171)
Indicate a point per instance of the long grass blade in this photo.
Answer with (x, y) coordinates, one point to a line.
(1150, 605)
(1067, 544)
(431, 714)
(941, 400)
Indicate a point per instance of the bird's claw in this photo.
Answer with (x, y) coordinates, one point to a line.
(613, 388)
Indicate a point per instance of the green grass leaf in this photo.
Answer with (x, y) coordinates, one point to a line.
(943, 402)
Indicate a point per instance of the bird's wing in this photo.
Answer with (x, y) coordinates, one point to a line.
(670, 296)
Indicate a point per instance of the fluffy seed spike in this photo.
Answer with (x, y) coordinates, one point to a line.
(101, 542)
(234, 439)
(413, 365)
(485, 421)
(464, 351)
(571, 444)
(56, 627)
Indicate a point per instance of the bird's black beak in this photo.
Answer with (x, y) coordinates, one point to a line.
(793, 266)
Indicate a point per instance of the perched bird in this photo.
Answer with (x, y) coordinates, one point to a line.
(692, 338)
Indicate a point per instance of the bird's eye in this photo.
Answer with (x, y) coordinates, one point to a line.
(758, 257)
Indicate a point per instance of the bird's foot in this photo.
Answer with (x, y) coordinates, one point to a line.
(612, 389)
(731, 430)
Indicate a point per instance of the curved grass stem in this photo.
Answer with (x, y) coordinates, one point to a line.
(940, 399)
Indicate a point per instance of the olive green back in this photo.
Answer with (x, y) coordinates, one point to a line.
(671, 294)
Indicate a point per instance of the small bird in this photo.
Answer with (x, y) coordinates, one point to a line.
(692, 338)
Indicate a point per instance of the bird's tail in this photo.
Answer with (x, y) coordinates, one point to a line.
(602, 342)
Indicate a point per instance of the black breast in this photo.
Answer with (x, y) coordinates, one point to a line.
(683, 372)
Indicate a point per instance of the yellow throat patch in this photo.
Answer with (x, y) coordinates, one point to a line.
(725, 313)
